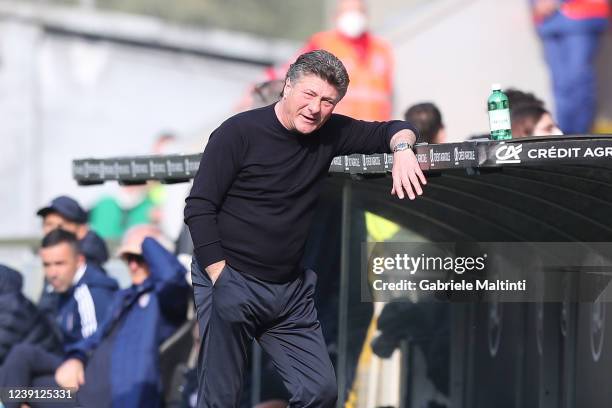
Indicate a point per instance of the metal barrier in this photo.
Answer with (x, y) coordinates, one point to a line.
(484, 154)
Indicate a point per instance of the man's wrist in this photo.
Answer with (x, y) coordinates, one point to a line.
(403, 136)
(401, 146)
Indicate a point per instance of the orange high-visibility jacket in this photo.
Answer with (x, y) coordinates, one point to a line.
(585, 9)
(370, 91)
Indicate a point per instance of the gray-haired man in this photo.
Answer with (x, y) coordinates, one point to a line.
(249, 211)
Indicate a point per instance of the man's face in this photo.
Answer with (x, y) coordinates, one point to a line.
(351, 18)
(54, 220)
(139, 271)
(546, 126)
(345, 6)
(308, 103)
(60, 263)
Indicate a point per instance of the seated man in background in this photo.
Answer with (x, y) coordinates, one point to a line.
(119, 365)
(85, 294)
(428, 119)
(20, 320)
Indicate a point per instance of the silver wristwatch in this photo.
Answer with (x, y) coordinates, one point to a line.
(401, 146)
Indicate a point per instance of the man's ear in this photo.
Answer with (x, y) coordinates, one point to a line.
(81, 259)
(287, 87)
(82, 230)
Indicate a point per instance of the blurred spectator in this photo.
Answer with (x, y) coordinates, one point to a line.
(85, 295)
(367, 58)
(533, 121)
(518, 98)
(571, 32)
(428, 119)
(266, 93)
(528, 115)
(20, 320)
(119, 364)
(169, 199)
(64, 212)
(112, 216)
(426, 325)
(85, 292)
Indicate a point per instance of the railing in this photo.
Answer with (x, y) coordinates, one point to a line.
(432, 158)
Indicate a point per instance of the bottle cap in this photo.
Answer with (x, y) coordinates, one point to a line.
(496, 87)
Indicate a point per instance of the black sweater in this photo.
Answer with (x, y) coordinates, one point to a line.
(254, 194)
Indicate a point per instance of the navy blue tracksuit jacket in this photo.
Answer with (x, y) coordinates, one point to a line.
(85, 305)
(125, 347)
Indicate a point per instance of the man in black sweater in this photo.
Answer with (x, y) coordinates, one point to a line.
(249, 212)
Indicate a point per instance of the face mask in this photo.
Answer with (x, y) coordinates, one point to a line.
(352, 23)
(130, 197)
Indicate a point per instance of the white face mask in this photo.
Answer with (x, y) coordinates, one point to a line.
(352, 23)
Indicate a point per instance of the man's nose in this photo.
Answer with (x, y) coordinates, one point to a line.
(51, 273)
(315, 106)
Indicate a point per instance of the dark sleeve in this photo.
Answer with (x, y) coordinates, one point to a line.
(359, 136)
(169, 279)
(14, 322)
(220, 163)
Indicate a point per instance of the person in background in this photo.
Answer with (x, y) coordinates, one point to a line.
(571, 32)
(367, 57)
(113, 215)
(85, 294)
(66, 213)
(20, 320)
(267, 92)
(533, 120)
(529, 116)
(428, 119)
(518, 98)
(119, 365)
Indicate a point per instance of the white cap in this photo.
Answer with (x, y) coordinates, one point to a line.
(496, 87)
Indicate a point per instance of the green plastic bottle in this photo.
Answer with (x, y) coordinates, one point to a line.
(499, 114)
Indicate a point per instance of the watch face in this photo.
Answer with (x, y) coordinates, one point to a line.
(401, 146)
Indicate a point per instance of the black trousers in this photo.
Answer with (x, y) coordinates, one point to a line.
(281, 317)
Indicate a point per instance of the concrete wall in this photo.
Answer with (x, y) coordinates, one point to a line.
(65, 95)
